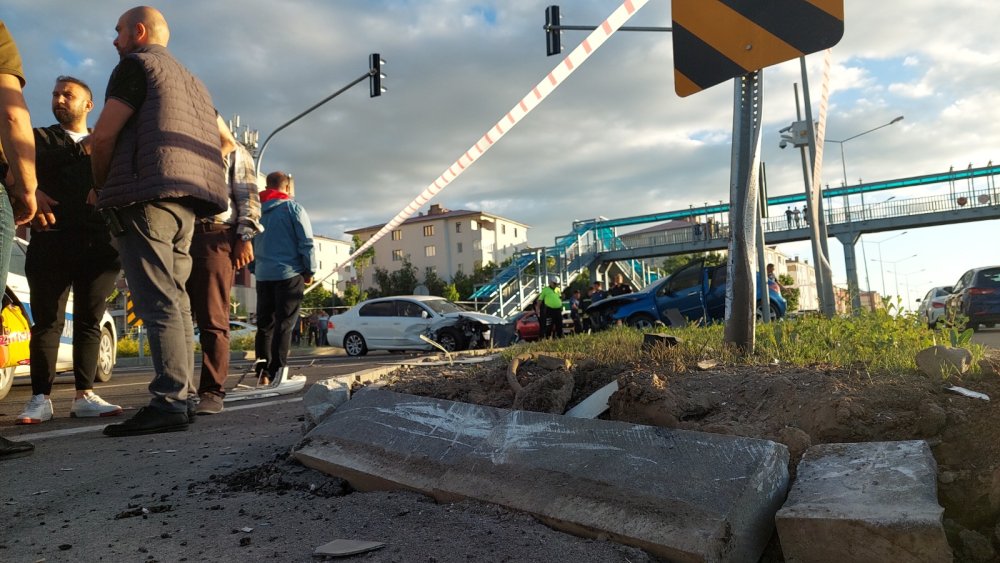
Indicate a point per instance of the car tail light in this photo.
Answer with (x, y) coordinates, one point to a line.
(937, 305)
(330, 325)
(982, 290)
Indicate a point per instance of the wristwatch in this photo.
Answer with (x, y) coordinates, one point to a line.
(246, 234)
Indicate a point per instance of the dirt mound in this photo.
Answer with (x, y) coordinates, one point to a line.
(796, 406)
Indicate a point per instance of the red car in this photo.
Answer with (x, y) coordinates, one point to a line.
(527, 328)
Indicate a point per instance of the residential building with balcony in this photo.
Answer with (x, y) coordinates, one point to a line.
(445, 241)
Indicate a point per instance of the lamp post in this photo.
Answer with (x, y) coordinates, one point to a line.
(907, 285)
(843, 161)
(868, 285)
(882, 264)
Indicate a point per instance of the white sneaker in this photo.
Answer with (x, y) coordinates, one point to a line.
(37, 411)
(92, 406)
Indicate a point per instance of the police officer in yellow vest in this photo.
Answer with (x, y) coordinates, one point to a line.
(549, 309)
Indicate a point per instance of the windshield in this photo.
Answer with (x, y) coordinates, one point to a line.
(443, 306)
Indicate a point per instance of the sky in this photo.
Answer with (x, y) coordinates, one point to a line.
(613, 140)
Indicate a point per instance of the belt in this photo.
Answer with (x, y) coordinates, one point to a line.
(211, 227)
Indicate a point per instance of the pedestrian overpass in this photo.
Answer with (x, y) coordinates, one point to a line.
(596, 246)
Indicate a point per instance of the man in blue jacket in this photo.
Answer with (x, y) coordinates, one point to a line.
(284, 263)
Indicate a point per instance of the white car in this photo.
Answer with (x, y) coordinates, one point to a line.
(932, 306)
(64, 361)
(397, 323)
(237, 329)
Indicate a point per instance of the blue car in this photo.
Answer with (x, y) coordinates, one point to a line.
(695, 293)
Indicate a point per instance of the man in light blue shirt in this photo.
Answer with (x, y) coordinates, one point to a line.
(284, 263)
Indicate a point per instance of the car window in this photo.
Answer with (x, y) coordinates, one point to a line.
(988, 278)
(378, 309)
(444, 306)
(719, 277)
(684, 279)
(409, 309)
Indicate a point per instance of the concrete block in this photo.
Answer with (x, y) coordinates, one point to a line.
(684, 496)
(323, 397)
(873, 501)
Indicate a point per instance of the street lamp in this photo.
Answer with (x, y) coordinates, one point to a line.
(882, 264)
(843, 161)
(907, 276)
(868, 285)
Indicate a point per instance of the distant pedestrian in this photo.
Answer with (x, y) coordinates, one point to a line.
(798, 217)
(805, 214)
(788, 216)
(549, 309)
(322, 321)
(312, 323)
(575, 311)
(620, 287)
(598, 292)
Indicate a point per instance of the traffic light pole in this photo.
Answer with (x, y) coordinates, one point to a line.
(374, 74)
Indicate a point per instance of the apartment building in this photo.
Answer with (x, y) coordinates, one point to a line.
(331, 253)
(445, 241)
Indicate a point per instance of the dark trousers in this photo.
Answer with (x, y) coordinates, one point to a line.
(56, 262)
(552, 324)
(208, 287)
(155, 251)
(277, 310)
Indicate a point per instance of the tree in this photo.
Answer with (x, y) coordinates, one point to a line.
(435, 285)
(791, 294)
(353, 295)
(400, 282)
(451, 293)
(363, 260)
(318, 298)
(463, 285)
(673, 263)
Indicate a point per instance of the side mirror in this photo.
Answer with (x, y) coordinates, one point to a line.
(423, 314)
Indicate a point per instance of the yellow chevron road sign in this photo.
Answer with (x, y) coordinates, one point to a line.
(715, 40)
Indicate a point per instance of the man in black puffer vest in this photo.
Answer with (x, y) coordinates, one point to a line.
(157, 160)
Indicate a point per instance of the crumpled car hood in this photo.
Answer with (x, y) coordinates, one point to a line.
(452, 318)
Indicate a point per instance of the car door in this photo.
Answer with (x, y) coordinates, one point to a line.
(412, 320)
(375, 323)
(683, 291)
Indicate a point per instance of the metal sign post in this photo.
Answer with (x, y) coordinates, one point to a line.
(741, 291)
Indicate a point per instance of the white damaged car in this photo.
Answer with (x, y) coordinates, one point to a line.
(397, 323)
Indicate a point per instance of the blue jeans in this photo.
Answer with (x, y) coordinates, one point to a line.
(155, 252)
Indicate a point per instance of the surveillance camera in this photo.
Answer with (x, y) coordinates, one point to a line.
(782, 144)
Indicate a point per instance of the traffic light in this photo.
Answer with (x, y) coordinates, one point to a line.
(375, 75)
(553, 37)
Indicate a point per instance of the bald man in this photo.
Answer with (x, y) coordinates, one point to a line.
(157, 162)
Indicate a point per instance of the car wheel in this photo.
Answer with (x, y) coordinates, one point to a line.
(105, 356)
(354, 344)
(449, 340)
(6, 381)
(774, 312)
(641, 321)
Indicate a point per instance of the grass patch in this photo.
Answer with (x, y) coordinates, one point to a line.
(874, 342)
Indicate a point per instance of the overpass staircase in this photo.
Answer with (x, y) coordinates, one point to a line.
(517, 285)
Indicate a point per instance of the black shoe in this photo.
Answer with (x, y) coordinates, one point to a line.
(149, 420)
(10, 449)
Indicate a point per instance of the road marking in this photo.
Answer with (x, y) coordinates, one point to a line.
(94, 428)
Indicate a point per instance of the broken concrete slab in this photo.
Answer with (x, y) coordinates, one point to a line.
(651, 340)
(873, 501)
(685, 496)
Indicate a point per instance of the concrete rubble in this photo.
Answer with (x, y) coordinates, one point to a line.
(873, 501)
(684, 496)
